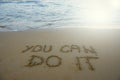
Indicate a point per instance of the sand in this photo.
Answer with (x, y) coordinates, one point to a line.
(60, 54)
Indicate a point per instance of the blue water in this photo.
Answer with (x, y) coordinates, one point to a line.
(31, 15)
(24, 15)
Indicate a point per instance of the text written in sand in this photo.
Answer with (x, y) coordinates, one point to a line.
(81, 55)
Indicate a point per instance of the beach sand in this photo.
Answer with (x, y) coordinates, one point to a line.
(60, 54)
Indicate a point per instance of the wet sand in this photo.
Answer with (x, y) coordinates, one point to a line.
(62, 54)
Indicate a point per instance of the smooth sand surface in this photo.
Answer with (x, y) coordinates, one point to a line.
(60, 54)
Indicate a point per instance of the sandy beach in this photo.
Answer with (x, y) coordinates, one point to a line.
(60, 54)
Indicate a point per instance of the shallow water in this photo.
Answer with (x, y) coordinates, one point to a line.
(23, 15)
(26, 15)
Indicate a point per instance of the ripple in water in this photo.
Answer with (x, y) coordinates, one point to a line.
(20, 15)
(31, 15)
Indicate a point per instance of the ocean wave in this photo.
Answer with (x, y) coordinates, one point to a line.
(18, 16)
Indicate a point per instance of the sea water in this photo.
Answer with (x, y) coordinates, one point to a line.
(17, 15)
(35, 14)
